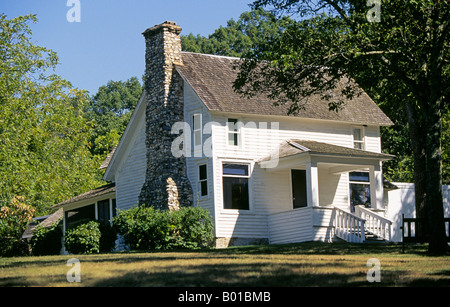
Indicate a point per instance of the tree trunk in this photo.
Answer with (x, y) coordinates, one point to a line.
(417, 139)
(433, 199)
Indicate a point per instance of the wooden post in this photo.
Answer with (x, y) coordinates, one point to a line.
(403, 233)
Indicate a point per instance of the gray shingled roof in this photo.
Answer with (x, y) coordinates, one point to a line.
(295, 147)
(90, 194)
(212, 78)
(108, 159)
(45, 221)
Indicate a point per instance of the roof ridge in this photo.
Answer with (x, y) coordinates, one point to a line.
(297, 145)
(212, 55)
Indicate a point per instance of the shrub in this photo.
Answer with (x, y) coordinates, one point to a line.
(90, 238)
(195, 227)
(14, 219)
(46, 241)
(144, 228)
(84, 239)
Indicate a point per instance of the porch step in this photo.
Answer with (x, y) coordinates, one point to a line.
(373, 239)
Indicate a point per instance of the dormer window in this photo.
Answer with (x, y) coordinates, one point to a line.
(358, 138)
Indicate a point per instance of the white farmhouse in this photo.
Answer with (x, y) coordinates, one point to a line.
(265, 176)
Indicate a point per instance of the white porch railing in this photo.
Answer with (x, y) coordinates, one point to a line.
(375, 223)
(348, 226)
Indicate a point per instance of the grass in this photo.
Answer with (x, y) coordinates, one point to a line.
(305, 264)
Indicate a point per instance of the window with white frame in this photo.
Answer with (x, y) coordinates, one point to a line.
(203, 180)
(233, 132)
(197, 129)
(359, 189)
(236, 186)
(358, 138)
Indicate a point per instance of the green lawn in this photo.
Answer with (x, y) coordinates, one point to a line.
(306, 264)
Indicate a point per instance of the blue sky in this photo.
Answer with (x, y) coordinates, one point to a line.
(107, 44)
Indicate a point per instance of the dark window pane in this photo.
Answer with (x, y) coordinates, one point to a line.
(114, 213)
(79, 216)
(299, 195)
(204, 188)
(235, 169)
(359, 195)
(103, 210)
(202, 172)
(235, 193)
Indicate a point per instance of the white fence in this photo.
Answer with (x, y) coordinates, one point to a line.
(402, 201)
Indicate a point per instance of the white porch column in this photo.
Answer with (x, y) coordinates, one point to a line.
(312, 184)
(376, 186)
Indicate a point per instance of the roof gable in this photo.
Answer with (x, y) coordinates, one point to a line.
(114, 158)
(212, 79)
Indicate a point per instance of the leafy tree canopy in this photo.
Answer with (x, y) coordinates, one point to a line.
(238, 36)
(110, 109)
(44, 154)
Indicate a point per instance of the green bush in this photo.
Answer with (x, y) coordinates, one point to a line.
(144, 228)
(195, 228)
(46, 241)
(90, 238)
(84, 239)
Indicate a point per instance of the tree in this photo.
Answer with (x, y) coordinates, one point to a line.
(44, 152)
(395, 139)
(14, 220)
(110, 109)
(238, 36)
(402, 61)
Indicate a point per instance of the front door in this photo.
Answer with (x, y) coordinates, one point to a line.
(299, 197)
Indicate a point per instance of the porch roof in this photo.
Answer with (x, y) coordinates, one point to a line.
(303, 147)
(103, 190)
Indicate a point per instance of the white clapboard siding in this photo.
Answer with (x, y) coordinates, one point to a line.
(291, 226)
(193, 105)
(131, 174)
(270, 192)
(257, 142)
(242, 225)
(372, 139)
(323, 224)
(333, 188)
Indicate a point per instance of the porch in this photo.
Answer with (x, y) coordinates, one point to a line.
(328, 224)
(339, 197)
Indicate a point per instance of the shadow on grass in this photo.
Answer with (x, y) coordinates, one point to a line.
(308, 248)
(233, 275)
(236, 275)
(208, 268)
(320, 248)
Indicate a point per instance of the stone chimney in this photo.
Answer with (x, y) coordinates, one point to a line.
(166, 185)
